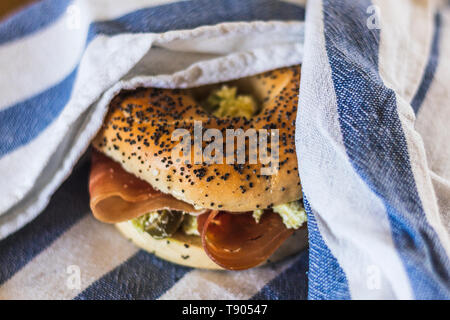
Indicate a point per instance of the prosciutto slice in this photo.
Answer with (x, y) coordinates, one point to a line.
(233, 241)
(237, 241)
(117, 195)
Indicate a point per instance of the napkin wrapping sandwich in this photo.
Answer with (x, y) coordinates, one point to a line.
(371, 136)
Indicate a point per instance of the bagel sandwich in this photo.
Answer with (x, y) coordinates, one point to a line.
(205, 177)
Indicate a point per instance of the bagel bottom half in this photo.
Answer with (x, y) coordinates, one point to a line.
(188, 251)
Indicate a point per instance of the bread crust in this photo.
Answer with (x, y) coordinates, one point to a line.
(138, 128)
(188, 251)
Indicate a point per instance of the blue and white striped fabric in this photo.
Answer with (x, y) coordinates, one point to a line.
(372, 134)
(372, 131)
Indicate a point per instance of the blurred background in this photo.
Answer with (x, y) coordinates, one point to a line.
(8, 7)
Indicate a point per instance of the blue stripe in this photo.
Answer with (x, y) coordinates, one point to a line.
(32, 19)
(326, 279)
(431, 66)
(68, 205)
(291, 284)
(376, 146)
(24, 121)
(195, 13)
(143, 276)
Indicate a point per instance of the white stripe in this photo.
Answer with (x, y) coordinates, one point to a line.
(433, 121)
(96, 248)
(351, 219)
(406, 34)
(224, 285)
(406, 58)
(34, 63)
(442, 189)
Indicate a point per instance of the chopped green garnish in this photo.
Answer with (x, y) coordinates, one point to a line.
(189, 225)
(225, 102)
(292, 213)
(257, 214)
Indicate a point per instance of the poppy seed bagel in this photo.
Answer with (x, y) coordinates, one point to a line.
(137, 132)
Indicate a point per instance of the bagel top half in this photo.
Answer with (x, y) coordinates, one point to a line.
(137, 132)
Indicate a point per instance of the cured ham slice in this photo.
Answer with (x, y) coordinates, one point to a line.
(117, 195)
(233, 241)
(237, 241)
